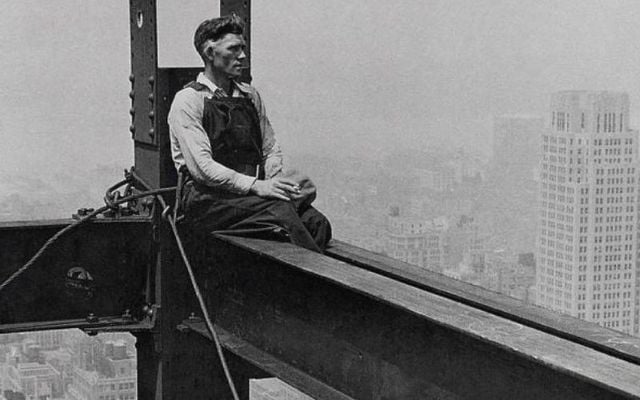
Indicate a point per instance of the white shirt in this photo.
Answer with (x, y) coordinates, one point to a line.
(190, 144)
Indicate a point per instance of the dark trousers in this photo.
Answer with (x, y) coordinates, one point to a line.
(249, 215)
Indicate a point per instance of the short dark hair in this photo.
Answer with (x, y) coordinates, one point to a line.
(215, 28)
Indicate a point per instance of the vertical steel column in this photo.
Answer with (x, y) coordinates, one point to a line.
(171, 364)
(144, 70)
(241, 8)
(144, 56)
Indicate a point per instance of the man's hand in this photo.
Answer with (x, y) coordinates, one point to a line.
(275, 188)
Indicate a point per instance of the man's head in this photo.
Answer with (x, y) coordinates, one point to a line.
(220, 43)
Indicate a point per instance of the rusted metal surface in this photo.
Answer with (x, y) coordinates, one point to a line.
(100, 269)
(589, 334)
(372, 337)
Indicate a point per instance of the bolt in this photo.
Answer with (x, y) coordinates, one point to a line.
(152, 132)
(151, 97)
(152, 114)
(132, 78)
(92, 318)
(147, 309)
(152, 80)
(132, 94)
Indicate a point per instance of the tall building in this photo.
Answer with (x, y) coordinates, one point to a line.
(516, 144)
(587, 232)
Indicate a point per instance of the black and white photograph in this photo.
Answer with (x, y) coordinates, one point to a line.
(319, 200)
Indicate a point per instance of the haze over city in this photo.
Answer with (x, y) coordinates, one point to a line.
(358, 79)
(490, 141)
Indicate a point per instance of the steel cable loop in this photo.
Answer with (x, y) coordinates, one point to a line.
(195, 286)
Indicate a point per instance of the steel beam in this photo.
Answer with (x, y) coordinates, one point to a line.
(372, 337)
(589, 334)
(267, 363)
(99, 270)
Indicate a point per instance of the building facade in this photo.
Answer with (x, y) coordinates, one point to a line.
(588, 219)
(36, 381)
(416, 241)
(112, 377)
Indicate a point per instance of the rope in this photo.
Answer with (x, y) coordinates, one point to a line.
(171, 219)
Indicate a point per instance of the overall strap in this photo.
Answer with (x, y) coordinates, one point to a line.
(196, 86)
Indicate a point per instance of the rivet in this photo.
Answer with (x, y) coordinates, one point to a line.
(132, 94)
(132, 78)
(152, 114)
(132, 128)
(151, 97)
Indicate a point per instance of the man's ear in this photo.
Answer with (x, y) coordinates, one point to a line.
(209, 49)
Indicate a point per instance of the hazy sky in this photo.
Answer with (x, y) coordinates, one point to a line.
(357, 78)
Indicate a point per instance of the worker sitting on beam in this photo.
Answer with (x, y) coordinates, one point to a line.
(220, 132)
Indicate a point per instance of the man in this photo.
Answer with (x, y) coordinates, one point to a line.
(220, 132)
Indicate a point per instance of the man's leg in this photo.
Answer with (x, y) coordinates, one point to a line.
(281, 214)
(318, 226)
(248, 216)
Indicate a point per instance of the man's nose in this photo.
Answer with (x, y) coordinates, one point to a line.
(242, 55)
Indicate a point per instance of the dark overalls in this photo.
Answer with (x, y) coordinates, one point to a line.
(233, 127)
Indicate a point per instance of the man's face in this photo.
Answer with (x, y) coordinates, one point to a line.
(228, 55)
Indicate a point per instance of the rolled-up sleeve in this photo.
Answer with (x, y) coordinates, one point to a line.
(190, 145)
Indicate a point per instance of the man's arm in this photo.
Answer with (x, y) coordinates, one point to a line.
(187, 132)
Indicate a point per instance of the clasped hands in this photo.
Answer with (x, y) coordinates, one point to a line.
(276, 188)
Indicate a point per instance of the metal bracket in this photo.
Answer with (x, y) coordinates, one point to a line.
(144, 66)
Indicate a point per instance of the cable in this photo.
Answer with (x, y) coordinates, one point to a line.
(207, 319)
(74, 225)
(112, 202)
(195, 286)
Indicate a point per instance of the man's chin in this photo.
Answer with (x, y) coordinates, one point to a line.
(234, 74)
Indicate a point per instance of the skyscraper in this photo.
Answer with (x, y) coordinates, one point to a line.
(516, 146)
(587, 232)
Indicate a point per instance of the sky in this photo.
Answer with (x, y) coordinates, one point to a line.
(355, 79)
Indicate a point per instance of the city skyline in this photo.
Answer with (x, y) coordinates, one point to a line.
(495, 143)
